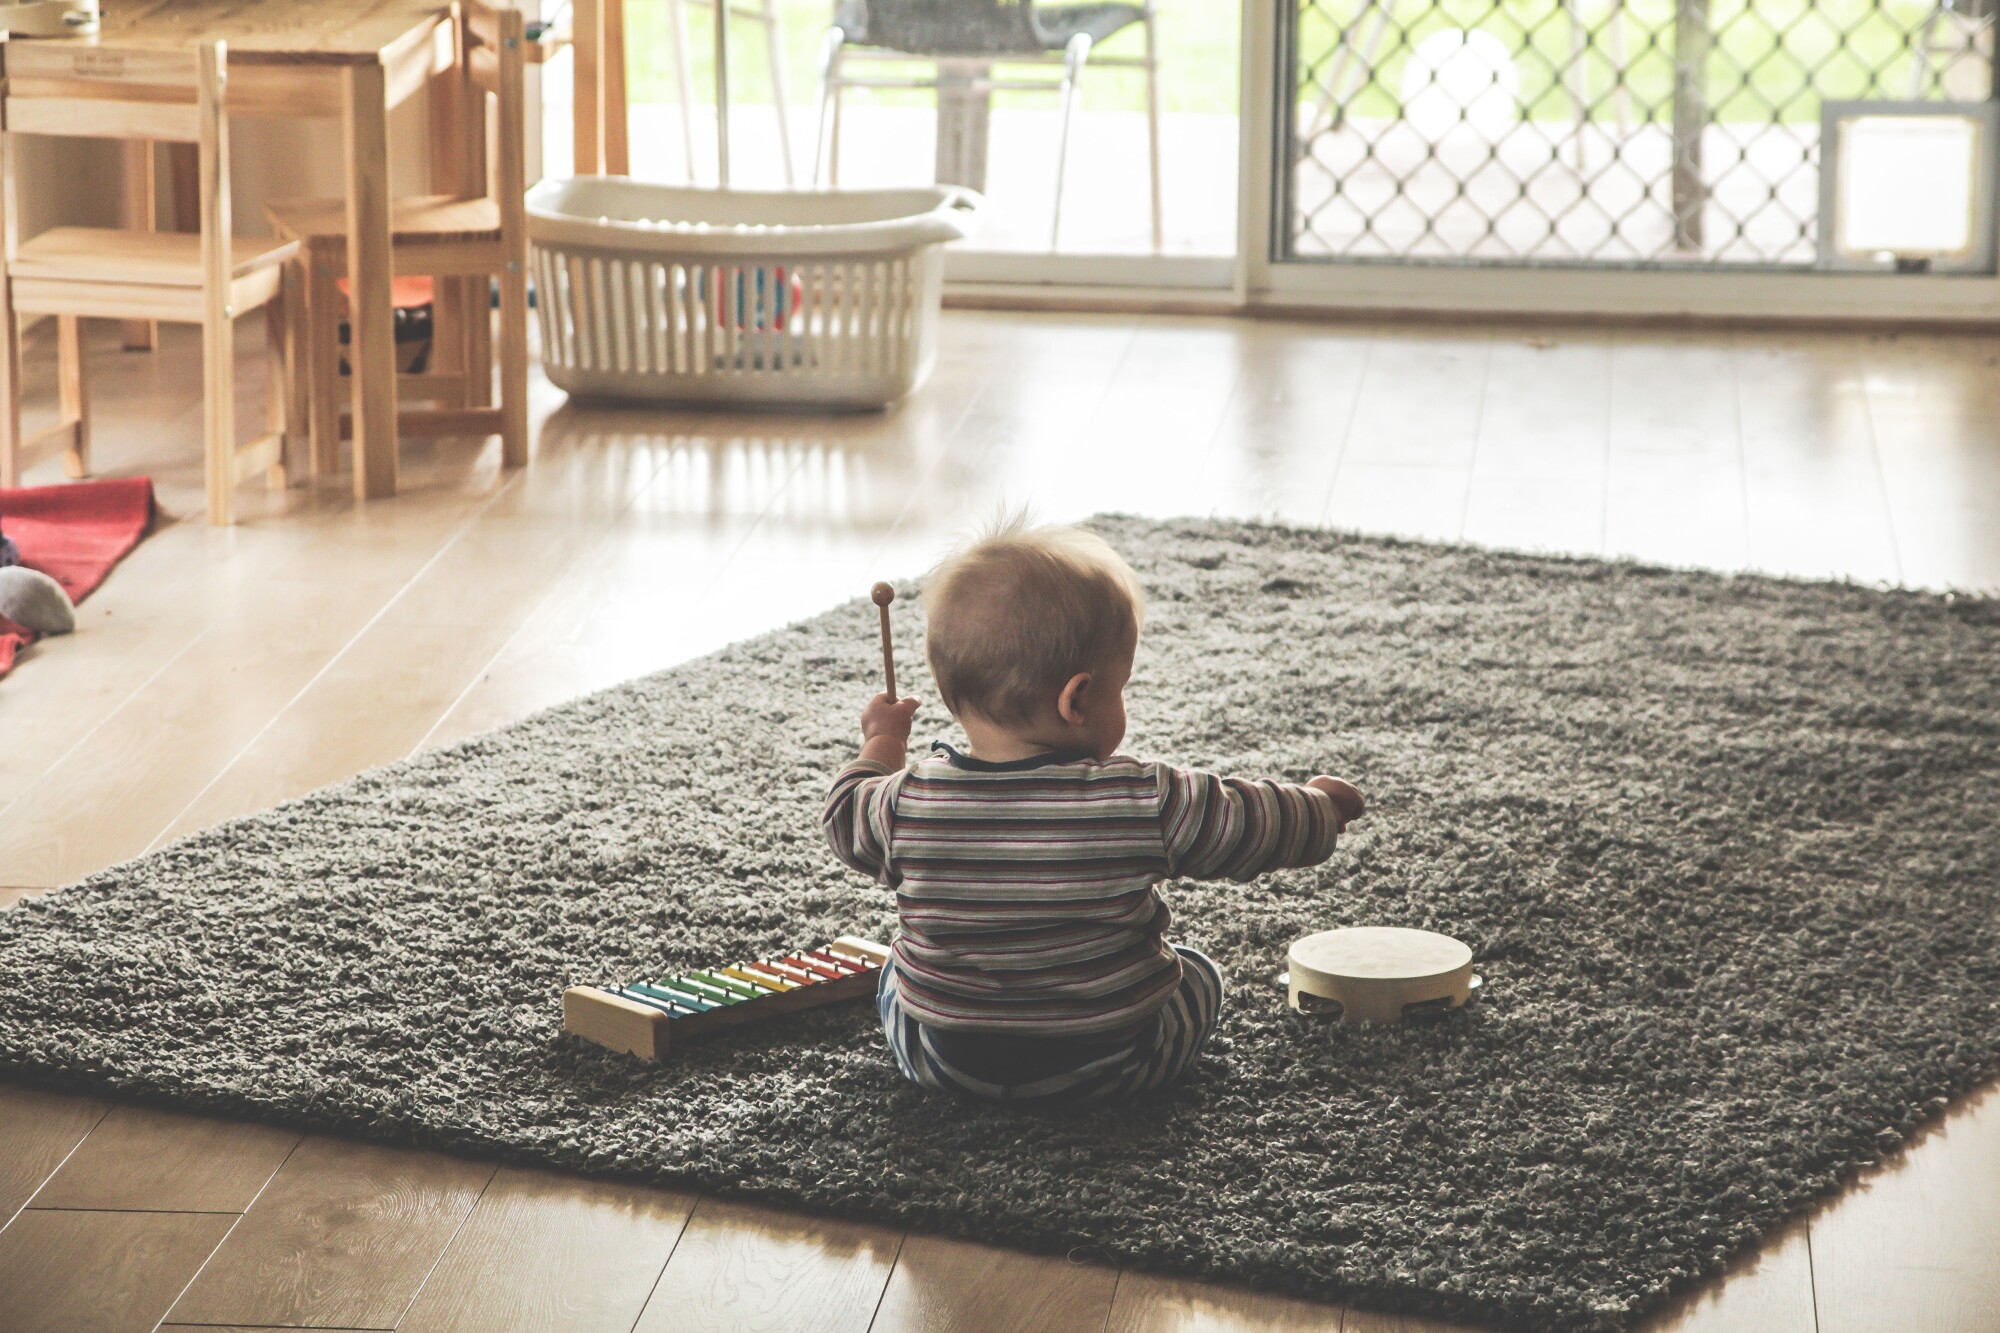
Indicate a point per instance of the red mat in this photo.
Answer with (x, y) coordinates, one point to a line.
(74, 534)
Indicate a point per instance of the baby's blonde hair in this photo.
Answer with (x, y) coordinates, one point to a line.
(1020, 610)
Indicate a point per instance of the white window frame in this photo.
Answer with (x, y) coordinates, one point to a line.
(1264, 283)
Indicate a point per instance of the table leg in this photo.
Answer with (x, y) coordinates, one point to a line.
(451, 174)
(372, 347)
(964, 113)
(611, 82)
(587, 100)
(10, 329)
(137, 209)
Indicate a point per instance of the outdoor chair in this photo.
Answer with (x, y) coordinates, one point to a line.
(765, 14)
(1969, 20)
(984, 32)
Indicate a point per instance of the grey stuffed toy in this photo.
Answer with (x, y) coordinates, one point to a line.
(34, 601)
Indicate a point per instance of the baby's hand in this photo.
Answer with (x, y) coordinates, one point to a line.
(1346, 797)
(886, 717)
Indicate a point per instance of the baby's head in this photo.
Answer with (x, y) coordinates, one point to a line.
(1032, 634)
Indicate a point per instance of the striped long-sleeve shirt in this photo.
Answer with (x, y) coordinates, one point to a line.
(1025, 890)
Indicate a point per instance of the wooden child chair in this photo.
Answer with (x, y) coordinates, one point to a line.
(75, 273)
(461, 241)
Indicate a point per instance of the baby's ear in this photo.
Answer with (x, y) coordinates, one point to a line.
(1070, 703)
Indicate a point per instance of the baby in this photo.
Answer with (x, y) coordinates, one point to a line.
(1032, 965)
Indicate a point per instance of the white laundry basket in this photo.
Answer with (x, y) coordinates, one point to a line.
(666, 294)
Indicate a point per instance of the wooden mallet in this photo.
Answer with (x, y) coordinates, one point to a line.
(883, 594)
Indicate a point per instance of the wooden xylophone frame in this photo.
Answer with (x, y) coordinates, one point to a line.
(647, 1018)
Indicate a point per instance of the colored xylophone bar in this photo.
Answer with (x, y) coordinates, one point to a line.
(647, 1017)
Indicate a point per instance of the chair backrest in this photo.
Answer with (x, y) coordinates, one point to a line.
(100, 92)
(943, 27)
(494, 56)
(497, 63)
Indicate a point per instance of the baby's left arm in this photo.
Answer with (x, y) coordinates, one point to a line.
(1236, 828)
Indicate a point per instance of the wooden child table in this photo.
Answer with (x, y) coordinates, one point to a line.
(348, 59)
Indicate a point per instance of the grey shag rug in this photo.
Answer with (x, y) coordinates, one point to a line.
(1724, 847)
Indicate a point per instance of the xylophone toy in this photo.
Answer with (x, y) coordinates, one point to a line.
(647, 1018)
(1378, 974)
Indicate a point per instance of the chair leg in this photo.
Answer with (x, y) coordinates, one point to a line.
(777, 48)
(1923, 48)
(826, 143)
(297, 387)
(1074, 56)
(218, 390)
(684, 77)
(514, 365)
(75, 398)
(1329, 107)
(1153, 127)
(322, 367)
(1615, 31)
(279, 391)
(1578, 78)
(450, 306)
(479, 342)
(10, 384)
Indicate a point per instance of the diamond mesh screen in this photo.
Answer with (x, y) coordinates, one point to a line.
(1633, 132)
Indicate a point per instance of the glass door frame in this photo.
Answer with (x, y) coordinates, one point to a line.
(1266, 282)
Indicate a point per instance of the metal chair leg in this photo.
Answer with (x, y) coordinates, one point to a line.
(1074, 56)
(826, 143)
(683, 80)
(1330, 107)
(1614, 28)
(1577, 76)
(1153, 126)
(777, 49)
(1923, 48)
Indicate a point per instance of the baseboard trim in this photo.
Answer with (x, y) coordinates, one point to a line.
(1074, 298)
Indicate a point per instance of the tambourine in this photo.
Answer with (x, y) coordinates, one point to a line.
(1378, 974)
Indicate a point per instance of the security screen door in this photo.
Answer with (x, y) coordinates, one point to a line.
(1602, 136)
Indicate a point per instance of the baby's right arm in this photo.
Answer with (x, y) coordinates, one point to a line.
(1239, 828)
(860, 807)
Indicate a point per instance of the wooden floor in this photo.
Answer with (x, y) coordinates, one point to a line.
(220, 671)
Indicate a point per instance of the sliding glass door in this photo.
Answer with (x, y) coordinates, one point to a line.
(1780, 157)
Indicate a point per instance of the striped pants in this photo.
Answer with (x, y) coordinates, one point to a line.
(1104, 1071)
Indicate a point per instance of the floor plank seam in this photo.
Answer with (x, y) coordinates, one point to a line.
(640, 1313)
(1812, 1279)
(1347, 431)
(887, 1278)
(1472, 465)
(1882, 487)
(172, 1212)
(555, 590)
(1111, 1306)
(445, 1248)
(104, 720)
(29, 1201)
(223, 1239)
(334, 659)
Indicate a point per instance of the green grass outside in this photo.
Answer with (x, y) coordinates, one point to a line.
(1768, 57)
